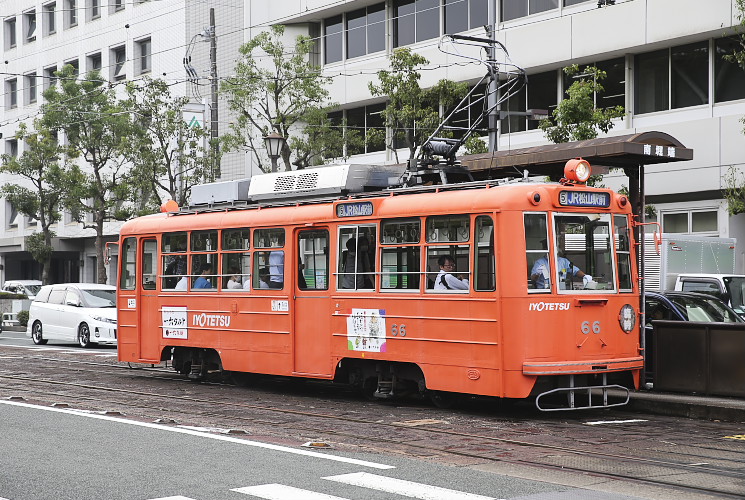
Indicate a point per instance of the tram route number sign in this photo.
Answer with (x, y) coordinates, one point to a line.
(584, 199)
(359, 209)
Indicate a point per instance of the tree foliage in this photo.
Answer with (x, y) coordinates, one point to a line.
(577, 118)
(323, 140)
(411, 113)
(168, 155)
(275, 89)
(49, 181)
(95, 125)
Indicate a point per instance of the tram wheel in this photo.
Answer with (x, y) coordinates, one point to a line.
(442, 399)
(36, 334)
(368, 388)
(84, 335)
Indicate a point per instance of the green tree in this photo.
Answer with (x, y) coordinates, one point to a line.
(323, 140)
(577, 118)
(95, 125)
(275, 89)
(168, 155)
(411, 113)
(49, 180)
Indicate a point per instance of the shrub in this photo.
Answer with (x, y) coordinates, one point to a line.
(23, 318)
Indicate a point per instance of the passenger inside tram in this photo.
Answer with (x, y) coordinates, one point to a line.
(446, 280)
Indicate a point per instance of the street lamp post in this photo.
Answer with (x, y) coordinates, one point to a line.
(274, 144)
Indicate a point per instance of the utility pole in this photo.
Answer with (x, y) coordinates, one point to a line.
(493, 83)
(213, 110)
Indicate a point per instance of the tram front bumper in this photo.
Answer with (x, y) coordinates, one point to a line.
(583, 367)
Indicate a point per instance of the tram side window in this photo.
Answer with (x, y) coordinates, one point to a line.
(173, 249)
(204, 260)
(484, 262)
(623, 252)
(357, 257)
(400, 254)
(448, 253)
(313, 260)
(536, 245)
(269, 264)
(149, 264)
(236, 259)
(127, 280)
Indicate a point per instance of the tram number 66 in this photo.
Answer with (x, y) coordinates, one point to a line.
(398, 330)
(586, 327)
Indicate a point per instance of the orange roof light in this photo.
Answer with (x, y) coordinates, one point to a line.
(577, 170)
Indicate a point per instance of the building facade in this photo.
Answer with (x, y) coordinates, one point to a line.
(663, 58)
(124, 40)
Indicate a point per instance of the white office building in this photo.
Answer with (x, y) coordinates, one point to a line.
(664, 60)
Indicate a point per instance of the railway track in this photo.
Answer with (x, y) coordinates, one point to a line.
(709, 466)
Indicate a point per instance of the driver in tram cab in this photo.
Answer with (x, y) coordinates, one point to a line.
(540, 274)
(445, 280)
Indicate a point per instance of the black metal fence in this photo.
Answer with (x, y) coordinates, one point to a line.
(705, 358)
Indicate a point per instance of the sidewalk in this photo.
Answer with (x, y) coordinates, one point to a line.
(688, 405)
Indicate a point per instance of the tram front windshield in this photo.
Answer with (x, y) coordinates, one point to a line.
(584, 255)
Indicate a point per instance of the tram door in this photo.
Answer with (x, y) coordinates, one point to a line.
(149, 320)
(312, 333)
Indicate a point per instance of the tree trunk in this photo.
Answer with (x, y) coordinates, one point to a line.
(100, 264)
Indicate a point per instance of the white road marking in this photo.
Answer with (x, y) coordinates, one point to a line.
(603, 422)
(218, 437)
(282, 492)
(170, 498)
(405, 488)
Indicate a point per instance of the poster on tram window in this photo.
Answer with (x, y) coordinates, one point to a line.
(174, 323)
(366, 330)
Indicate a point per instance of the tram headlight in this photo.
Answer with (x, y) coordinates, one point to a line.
(627, 318)
(577, 170)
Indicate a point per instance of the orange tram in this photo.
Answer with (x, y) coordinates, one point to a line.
(511, 289)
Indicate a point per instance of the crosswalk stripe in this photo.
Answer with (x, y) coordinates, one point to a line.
(403, 487)
(282, 492)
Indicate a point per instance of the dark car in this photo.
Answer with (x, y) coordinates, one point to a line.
(681, 306)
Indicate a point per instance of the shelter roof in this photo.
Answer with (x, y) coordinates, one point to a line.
(622, 151)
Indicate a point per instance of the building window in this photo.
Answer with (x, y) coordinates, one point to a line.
(415, 20)
(116, 5)
(94, 62)
(93, 8)
(463, 119)
(29, 85)
(11, 93)
(366, 31)
(729, 77)
(514, 9)
(118, 59)
(144, 60)
(10, 33)
(11, 148)
(463, 15)
(75, 66)
(333, 39)
(701, 221)
(49, 18)
(71, 13)
(364, 120)
(49, 78)
(672, 78)
(614, 84)
(29, 26)
(13, 216)
(567, 3)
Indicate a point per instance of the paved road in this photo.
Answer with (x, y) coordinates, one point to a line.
(67, 454)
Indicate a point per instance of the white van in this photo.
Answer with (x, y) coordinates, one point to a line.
(28, 287)
(75, 312)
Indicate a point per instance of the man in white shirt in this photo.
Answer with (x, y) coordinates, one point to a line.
(445, 279)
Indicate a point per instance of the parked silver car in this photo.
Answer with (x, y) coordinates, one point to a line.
(76, 312)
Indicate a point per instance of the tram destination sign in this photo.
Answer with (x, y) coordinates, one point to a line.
(584, 199)
(358, 209)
